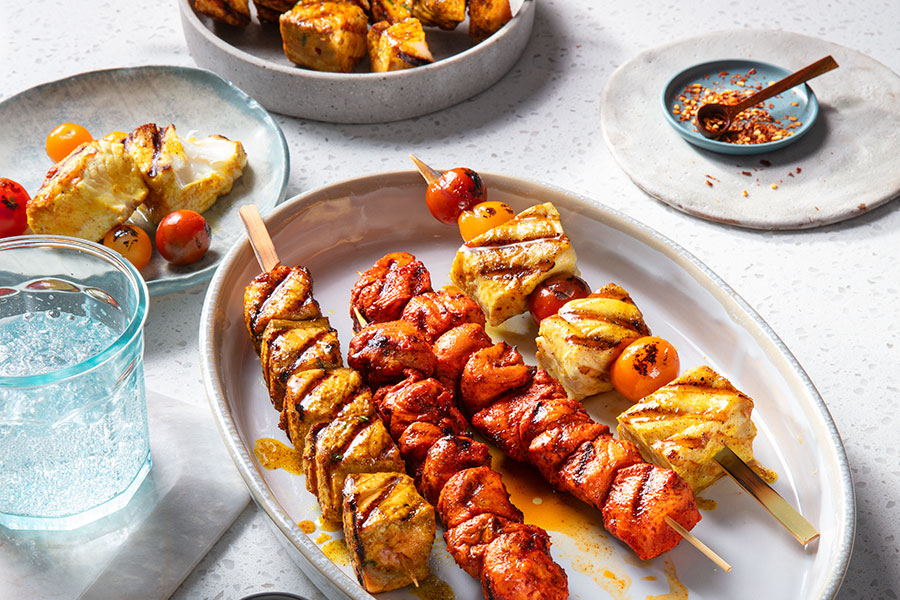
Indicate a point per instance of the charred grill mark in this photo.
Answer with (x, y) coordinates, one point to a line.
(357, 545)
(531, 238)
(156, 139)
(382, 496)
(638, 505)
(412, 59)
(301, 357)
(584, 459)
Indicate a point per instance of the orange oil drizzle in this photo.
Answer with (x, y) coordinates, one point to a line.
(272, 454)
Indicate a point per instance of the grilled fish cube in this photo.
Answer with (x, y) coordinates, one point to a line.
(389, 529)
(291, 346)
(184, 173)
(682, 425)
(486, 17)
(398, 46)
(318, 396)
(578, 345)
(345, 446)
(502, 266)
(93, 189)
(231, 12)
(326, 36)
(281, 293)
(446, 14)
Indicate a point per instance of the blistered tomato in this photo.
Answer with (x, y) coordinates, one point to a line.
(64, 139)
(483, 217)
(457, 190)
(548, 297)
(132, 242)
(13, 200)
(183, 237)
(647, 364)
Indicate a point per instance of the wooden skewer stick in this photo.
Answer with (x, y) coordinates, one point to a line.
(408, 571)
(430, 175)
(696, 543)
(778, 507)
(260, 241)
(360, 317)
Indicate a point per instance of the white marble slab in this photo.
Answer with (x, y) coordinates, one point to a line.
(192, 494)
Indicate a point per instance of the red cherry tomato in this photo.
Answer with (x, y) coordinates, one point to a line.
(483, 217)
(550, 295)
(645, 365)
(131, 242)
(66, 138)
(183, 237)
(13, 200)
(457, 190)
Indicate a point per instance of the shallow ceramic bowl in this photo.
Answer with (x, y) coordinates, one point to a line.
(719, 73)
(345, 227)
(196, 101)
(252, 58)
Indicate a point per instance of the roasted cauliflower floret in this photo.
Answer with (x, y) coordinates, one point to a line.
(88, 193)
(326, 36)
(398, 46)
(184, 173)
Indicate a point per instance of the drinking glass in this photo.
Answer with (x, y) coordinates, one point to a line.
(74, 443)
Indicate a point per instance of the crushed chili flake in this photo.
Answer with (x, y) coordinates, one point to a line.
(798, 169)
(747, 173)
(765, 163)
(709, 183)
(752, 126)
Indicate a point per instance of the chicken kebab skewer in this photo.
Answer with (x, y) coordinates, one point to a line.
(351, 464)
(491, 542)
(485, 532)
(524, 410)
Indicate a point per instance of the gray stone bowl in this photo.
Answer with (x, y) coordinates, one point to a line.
(251, 57)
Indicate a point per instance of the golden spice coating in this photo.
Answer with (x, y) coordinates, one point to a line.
(486, 17)
(446, 14)
(281, 293)
(491, 372)
(386, 352)
(589, 472)
(503, 265)
(397, 45)
(344, 446)
(434, 313)
(183, 173)
(473, 492)
(579, 344)
(682, 425)
(230, 12)
(453, 350)
(446, 457)
(389, 530)
(641, 496)
(418, 400)
(326, 36)
(382, 291)
(287, 347)
(392, 11)
(316, 396)
(517, 566)
(268, 11)
(89, 192)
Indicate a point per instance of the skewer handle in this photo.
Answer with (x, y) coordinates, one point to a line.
(260, 241)
(430, 175)
(696, 543)
(777, 506)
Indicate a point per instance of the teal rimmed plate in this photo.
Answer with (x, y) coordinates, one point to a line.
(196, 101)
(799, 102)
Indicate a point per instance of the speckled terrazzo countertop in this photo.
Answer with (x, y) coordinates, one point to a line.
(832, 294)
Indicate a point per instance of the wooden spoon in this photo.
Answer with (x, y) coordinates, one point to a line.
(715, 119)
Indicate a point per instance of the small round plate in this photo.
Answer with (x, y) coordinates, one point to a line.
(196, 101)
(799, 102)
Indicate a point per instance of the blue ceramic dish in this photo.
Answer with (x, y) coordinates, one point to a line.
(720, 73)
(196, 101)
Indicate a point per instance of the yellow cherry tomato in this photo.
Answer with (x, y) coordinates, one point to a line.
(484, 216)
(66, 138)
(645, 365)
(132, 242)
